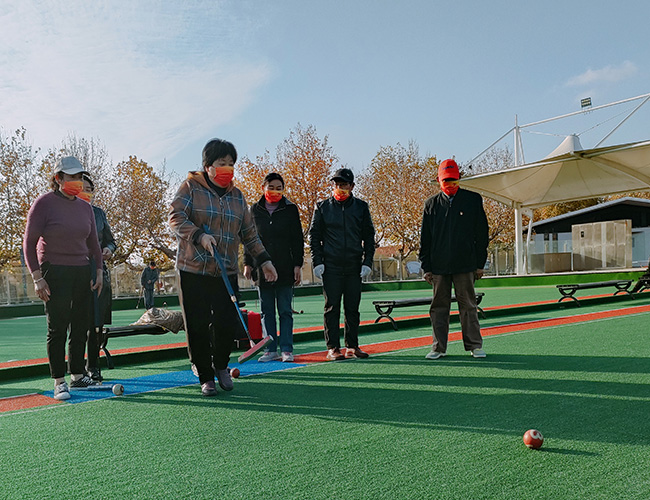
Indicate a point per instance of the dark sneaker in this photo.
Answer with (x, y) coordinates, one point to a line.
(95, 374)
(335, 354)
(85, 381)
(355, 352)
(478, 353)
(61, 391)
(209, 388)
(225, 380)
(435, 355)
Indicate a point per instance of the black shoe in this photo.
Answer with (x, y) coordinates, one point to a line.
(95, 374)
(85, 381)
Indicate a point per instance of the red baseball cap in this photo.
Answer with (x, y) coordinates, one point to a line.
(448, 169)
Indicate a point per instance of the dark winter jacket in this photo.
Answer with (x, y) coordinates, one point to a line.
(342, 236)
(454, 236)
(281, 235)
(149, 277)
(104, 233)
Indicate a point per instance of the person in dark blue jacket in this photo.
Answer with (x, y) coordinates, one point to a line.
(453, 250)
(278, 225)
(342, 240)
(102, 314)
(148, 280)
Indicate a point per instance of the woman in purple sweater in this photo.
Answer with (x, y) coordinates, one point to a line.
(60, 238)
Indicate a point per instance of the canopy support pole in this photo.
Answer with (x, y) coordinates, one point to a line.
(519, 243)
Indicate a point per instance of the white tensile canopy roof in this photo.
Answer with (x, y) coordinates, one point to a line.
(568, 174)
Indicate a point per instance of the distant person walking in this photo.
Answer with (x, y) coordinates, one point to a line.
(209, 214)
(102, 314)
(342, 239)
(453, 250)
(278, 224)
(60, 241)
(148, 280)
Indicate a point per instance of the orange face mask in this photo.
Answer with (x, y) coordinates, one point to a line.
(223, 176)
(450, 188)
(273, 196)
(341, 194)
(72, 188)
(85, 196)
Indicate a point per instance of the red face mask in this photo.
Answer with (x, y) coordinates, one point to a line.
(273, 196)
(85, 196)
(341, 194)
(450, 188)
(223, 176)
(72, 188)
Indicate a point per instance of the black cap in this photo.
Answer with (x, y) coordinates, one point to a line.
(343, 175)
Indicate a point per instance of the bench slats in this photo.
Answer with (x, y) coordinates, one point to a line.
(568, 291)
(385, 307)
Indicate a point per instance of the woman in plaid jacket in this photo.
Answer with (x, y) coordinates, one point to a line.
(210, 214)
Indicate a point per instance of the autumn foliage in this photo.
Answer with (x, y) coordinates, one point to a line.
(305, 162)
(396, 184)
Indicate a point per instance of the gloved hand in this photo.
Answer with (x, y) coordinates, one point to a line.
(319, 270)
(365, 271)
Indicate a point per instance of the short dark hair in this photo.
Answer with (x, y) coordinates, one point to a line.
(86, 177)
(152, 263)
(273, 176)
(218, 148)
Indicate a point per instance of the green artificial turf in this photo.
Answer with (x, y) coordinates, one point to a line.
(393, 426)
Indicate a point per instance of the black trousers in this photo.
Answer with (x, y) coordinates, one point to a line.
(70, 306)
(102, 315)
(211, 321)
(148, 298)
(337, 286)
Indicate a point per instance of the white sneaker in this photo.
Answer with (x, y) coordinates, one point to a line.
(287, 357)
(61, 391)
(478, 353)
(269, 356)
(435, 355)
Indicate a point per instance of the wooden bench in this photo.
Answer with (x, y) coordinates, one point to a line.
(253, 321)
(126, 331)
(642, 284)
(568, 291)
(385, 307)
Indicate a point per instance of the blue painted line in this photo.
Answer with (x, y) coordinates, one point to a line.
(149, 383)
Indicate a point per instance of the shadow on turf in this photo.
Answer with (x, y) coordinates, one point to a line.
(563, 451)
(608, 364)
(494, 402)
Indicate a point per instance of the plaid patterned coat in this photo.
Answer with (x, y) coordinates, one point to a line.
(198, 209)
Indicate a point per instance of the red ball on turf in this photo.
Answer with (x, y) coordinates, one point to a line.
(533, 439)
(235, 372)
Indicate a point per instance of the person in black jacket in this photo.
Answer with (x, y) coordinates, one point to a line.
(103, 303)
(278, 224)
(453, 250)
(148, 280)
(342, 240)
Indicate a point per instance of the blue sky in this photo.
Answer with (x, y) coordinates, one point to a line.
(159, 78)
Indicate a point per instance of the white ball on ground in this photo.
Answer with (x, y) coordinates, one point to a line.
(118, 389)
